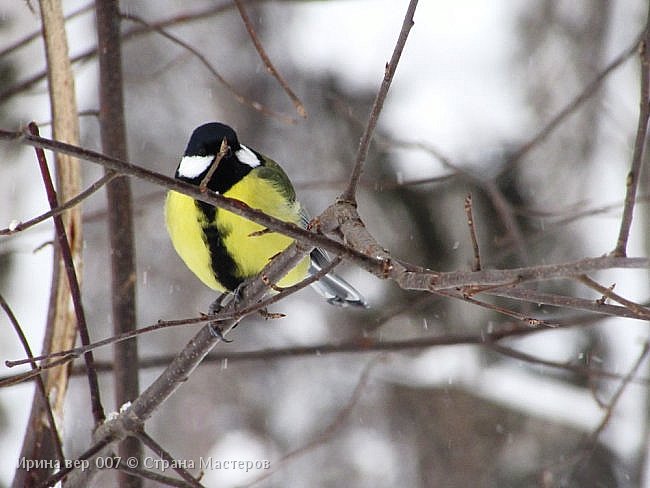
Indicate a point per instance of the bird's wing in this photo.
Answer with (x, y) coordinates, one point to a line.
(271, 171)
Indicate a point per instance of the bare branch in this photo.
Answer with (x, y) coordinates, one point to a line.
(153, 476)
(635, 308)
(40, 385)
(541, 298)
(112, 126)
(126, 36)
(71, 354)
(75, 291)
(300, 108)
(372, 344)
(469, 212)
(593, 439)
(20, 226)
(166, 456)
(32, 36)
(572, 106)
(235, 206)
(223, 150)
(633, 176)
(233, 91)
(60, 330)
(349, 195)
(499, 202)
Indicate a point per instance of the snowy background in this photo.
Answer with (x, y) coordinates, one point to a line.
(477, 80)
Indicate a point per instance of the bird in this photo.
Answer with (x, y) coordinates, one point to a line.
(224, 249)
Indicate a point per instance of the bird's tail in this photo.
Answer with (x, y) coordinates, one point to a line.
(332, 287)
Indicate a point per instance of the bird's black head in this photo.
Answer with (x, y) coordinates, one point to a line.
(206, 139)
(202, 150)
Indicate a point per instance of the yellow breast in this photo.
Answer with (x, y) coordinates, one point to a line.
(250, 253)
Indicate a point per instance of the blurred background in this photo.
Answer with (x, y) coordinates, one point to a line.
(477, 82)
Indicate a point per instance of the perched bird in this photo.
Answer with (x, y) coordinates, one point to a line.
(223, 249)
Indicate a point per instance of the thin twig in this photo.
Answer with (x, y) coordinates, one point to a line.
(349, 194)
(14, 46)
(66, 255)
(636, 308)
(523, 294)
(300, 108)
(241, 98)
(71, 354)
(162, 480)
(469, 212)
(40, 385)
(506, 277)
(128, 35)
(223, 150)
(593, 438)
(68, 468)
(15, 379)
(145, 28)
(632, 182)
(583, 371)
(571, 107)
(371, 344)
(166, 456)
(61, 208)
(498, 200)
(562, 301)
(525, 318)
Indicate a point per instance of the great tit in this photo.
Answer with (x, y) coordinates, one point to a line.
(223, 249)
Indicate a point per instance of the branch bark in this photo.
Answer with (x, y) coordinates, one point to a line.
(61, 322)
(120, 219)
(349, 195)
(632, 183)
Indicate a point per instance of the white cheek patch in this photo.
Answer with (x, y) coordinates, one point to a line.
(193, 166)
(247, 156)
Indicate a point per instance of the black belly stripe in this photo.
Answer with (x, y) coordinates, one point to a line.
(223, 265)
